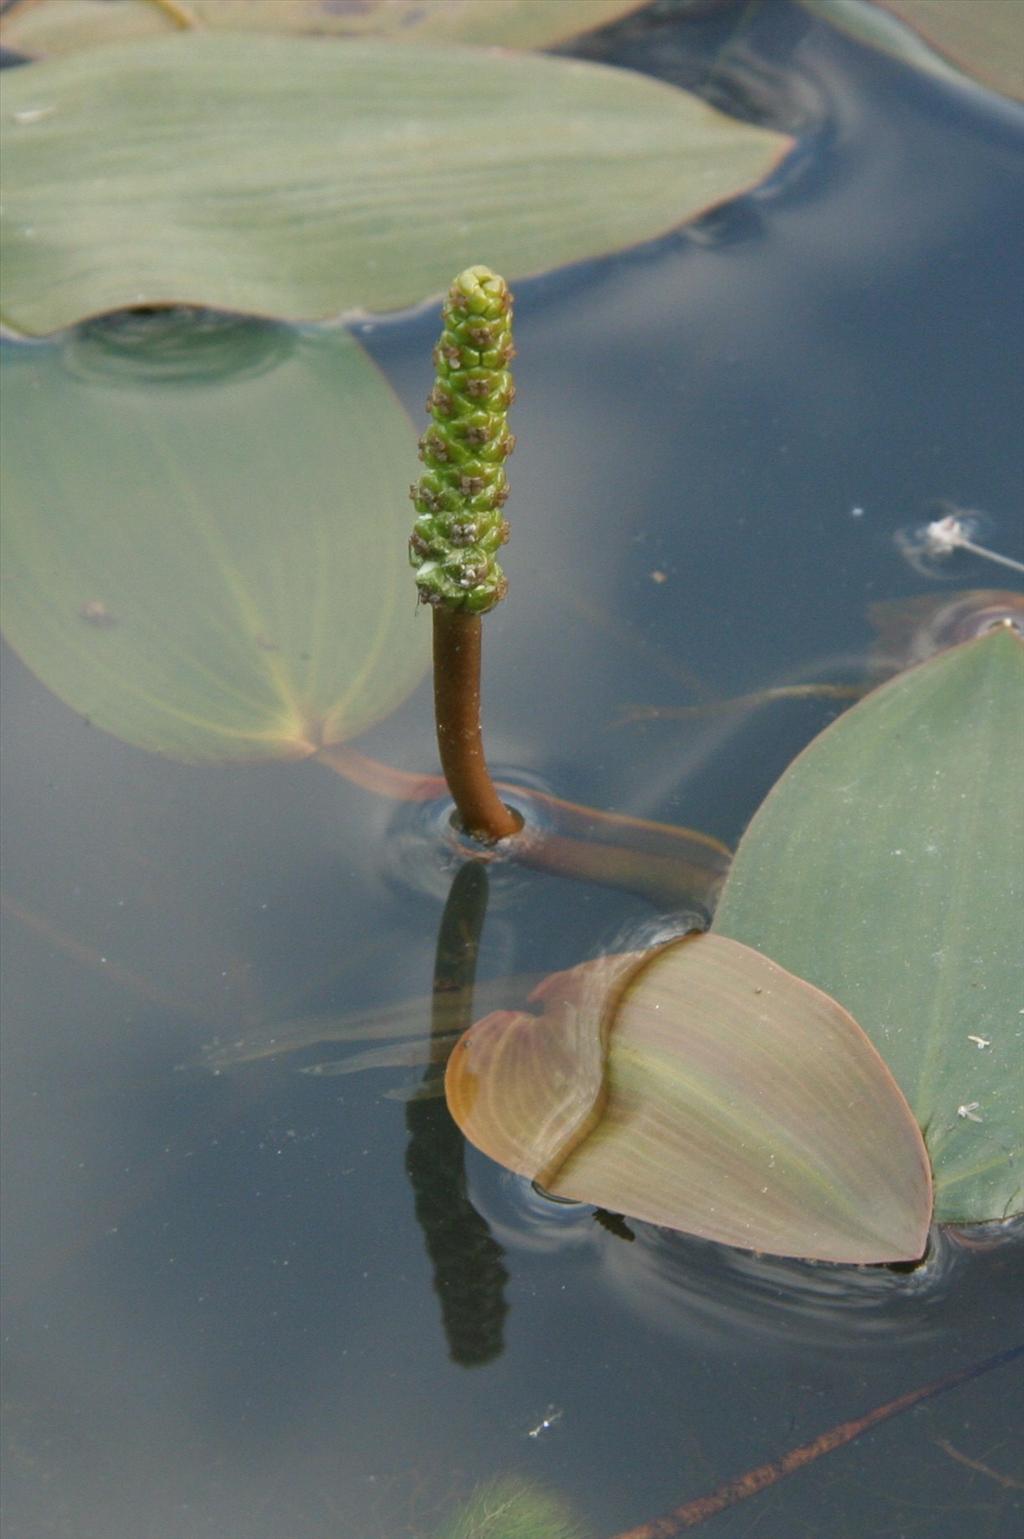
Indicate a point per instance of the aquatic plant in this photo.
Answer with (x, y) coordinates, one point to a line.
(460, 528)
(211, 648)
(512, 1507)
(739, 1091)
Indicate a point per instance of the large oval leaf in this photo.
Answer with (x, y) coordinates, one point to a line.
(887, 867)
(705, 1088)
(58, 26)
(309, 177)
(204, 525)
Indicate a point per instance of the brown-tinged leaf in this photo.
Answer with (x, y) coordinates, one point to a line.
(705, 1088)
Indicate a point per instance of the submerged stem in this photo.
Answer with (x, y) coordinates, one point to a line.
(457, 638)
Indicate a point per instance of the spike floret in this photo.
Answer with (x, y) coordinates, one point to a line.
(459, 497)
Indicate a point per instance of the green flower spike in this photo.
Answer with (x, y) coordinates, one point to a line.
(459, 527)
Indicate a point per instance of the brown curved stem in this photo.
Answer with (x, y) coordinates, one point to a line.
(457, 715)
(694, 1513)
(668, 866)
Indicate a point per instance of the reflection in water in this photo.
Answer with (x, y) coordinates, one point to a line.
(720, 1295)
(469, 1271)
(913, 629)
(178, 345)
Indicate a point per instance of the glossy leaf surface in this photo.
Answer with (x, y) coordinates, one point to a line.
(305, 178)
(887, 867)
(58, 26)
(204, 525)
(705, 1088)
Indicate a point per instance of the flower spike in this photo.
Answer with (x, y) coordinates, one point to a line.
(459, 527)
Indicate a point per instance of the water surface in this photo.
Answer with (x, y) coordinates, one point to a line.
(221, 1316)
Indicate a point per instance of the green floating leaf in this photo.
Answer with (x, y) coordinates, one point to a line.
(204, 524)
(887, 867)
(306, 178)
(705, 1088)
(983, 38)
(59, 26)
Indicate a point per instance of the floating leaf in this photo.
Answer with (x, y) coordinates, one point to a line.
(204, 524)
(309, 177)
(58, 26)
(887, 867)
(705, 1088)
(983, 38)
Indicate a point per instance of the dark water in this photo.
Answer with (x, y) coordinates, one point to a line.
(220, 1312)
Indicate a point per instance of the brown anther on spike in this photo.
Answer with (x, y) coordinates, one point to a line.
(477, 388)
(419, 544)
(501, 495)
(452, 355)
(476, 435)
(440, 400)
(426, 500)
(463, 534)
(470, 486)
(481, 336)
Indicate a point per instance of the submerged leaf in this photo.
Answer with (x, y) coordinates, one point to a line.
(512, 1508)
(204, 526)
(705, 1088)
(887, 867)
(309, 177)
(408, 1025)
